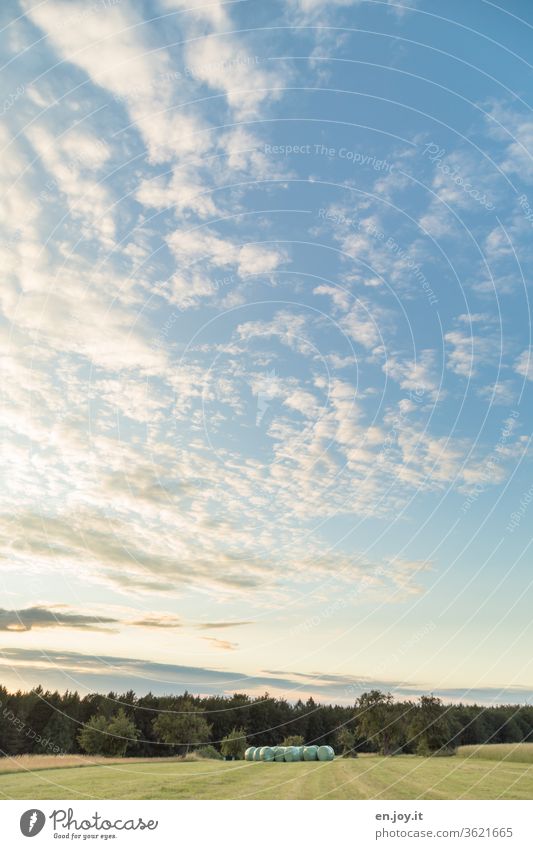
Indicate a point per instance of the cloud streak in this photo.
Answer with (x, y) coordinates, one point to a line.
(41, 617)
(86, 672)
(61, 616)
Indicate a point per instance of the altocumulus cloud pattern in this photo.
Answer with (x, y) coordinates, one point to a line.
(266, 346)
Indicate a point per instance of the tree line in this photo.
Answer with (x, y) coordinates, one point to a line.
(46, 722)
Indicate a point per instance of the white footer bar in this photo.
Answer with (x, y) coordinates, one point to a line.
(314, 824)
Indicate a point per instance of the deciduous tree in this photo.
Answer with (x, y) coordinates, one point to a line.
(186, 728)
(234, 744)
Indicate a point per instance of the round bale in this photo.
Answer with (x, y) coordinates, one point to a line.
(310, 753)
(267, 753)
(325, 753)
(249, 753)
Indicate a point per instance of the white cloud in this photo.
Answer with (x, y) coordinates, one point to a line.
(340, 297)
(515, 128)
(503, 393)
(475, 318)
(109, 47)
(212, 11)
(524, 364)
(224, 64)
(245, 152)
(434, 460)
(201, 252)
(497, 245)
(416, 376)
(184, 192)
(363, 324)
(319, 5)
(314, 7)
(257, 259)
(68, 160)
(467, 352)
(362, 320)
(290, 328)
(464, 181)
(437, 221)
(74, 317)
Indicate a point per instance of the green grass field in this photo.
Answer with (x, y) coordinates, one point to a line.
(517, 753)
(487, 772)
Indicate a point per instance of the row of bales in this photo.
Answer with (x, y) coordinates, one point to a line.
(289, 754)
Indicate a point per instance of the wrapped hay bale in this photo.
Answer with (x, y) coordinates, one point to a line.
(289, 754)
(325, 753)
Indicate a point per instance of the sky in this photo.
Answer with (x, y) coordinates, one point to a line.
(265, 346)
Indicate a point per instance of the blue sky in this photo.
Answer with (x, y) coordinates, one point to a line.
(266, 347)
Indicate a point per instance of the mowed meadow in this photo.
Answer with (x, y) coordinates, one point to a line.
(476, 772)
